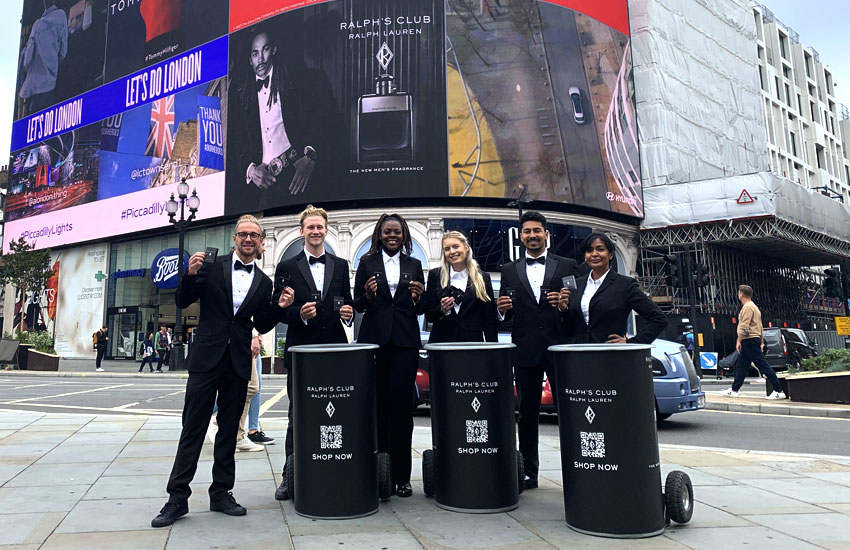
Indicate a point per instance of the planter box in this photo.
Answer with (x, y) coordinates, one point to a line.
(37, 360)
(272, 365)
(833, 387)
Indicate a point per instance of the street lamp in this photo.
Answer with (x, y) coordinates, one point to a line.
(193, 202)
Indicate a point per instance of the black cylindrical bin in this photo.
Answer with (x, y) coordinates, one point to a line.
(334, 435)
(473, 427)
(609, 446)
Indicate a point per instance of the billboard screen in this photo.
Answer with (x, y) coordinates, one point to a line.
(277, 103)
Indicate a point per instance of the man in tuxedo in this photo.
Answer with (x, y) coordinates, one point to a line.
(321, 305)
(235, 297)
(531, 294)
(277, 126)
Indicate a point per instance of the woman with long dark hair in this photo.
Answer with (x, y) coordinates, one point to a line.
(599, 309)
(459, 300)
(388, 289)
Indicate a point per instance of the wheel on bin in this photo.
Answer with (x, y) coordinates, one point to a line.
(520, 471)
(679, 496)
(290, 475)
(428, 472)
(385, 476)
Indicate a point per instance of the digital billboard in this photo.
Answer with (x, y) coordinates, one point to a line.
(277, 103)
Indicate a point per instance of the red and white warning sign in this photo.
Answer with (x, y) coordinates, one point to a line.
(745, 198)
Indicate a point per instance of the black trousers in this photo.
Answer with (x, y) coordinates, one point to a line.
(529, 385)
(100, 353)
(287, 443)
(751, 353)
(395, 377)
(201, 390)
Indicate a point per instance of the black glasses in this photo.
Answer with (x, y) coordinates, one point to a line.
(244, 235)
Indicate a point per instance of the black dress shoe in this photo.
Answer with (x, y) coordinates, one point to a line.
(226, 504)
(529, 483)
(403, 490)
(282, 492)
(171, 512)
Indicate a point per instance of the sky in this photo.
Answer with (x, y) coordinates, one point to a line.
(821, 24)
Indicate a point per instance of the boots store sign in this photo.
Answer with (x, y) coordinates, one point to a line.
(164, 268)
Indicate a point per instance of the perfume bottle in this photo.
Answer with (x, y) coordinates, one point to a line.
(385, 123)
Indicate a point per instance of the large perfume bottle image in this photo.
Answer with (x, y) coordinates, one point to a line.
(385, 120)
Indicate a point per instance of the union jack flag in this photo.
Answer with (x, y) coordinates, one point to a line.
(161, 137)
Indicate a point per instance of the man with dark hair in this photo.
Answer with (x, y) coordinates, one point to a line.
(46, 47)
(277, 129)
(531, 294)
(749, 346)
(100, 346)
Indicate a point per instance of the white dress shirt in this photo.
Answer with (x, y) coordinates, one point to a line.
(589, 290)
(272, 130)
(392, 269)
(535, 273)
(241, 282)
(459, 280)
(317, 270)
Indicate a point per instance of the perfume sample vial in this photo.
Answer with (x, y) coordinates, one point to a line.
(385, 123)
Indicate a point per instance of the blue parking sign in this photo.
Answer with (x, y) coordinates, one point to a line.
(708, 360)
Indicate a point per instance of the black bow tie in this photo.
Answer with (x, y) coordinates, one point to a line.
(320, 259)
(262, 83)
(239, 265)
(532, 261)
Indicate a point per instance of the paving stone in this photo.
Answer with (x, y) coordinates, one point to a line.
(709, 516)
(827, 530)
(743, 499)
(93, 516)
(70, 454)
(99, 438)
(125, 540)
(356, 541)
(140, 466)
(253, 495)
(29, 438)
(559, 535)
(698, 475)
(124, 487)
(100, 426)
(814, 491)
(144, 449)
(41, 475)
(751, 538)
(160, 434)
(810, 466)
(748, 471)
(438, 528)
(41, 499)
(384, 521)
(58, 420)
(10, 468)
(6, 433)
(24, 451)
(696, 459)
(259, 530)
(28, 528)
(841, 478)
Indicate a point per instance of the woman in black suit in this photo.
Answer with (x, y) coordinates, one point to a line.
(473, 318)
(388, 287)
(599, 308)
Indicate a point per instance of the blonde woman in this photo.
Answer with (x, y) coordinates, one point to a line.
(459, 297)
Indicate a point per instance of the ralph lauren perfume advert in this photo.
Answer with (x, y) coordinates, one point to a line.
(337, 100)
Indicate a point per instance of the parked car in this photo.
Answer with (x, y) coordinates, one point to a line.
(799, 346)
(578, 110)
(775, 350)
(675, 382)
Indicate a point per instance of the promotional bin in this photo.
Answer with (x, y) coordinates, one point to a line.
(473, 465)
(609, 444)
(335, 471)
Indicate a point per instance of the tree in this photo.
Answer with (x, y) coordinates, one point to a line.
(26, 269)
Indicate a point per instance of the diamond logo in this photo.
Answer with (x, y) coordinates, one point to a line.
(384, 56)
(330, 409)
(590, 415)
(476, 404)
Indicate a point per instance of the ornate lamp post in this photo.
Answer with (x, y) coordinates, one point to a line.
(193, 202)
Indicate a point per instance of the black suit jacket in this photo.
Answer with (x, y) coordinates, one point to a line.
(475, 321)
(218, 325)
(325, 327)
(536, 325)
(609, 312)
(388, 319)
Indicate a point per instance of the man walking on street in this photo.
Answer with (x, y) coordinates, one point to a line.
(749, 346)
(101, 348)
(160, 345)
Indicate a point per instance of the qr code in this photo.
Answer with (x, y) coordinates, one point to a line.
(476, 431)
(593, 444)
(331, 437)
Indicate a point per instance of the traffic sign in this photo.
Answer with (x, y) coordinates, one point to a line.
(708, 360)
(842, 326)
